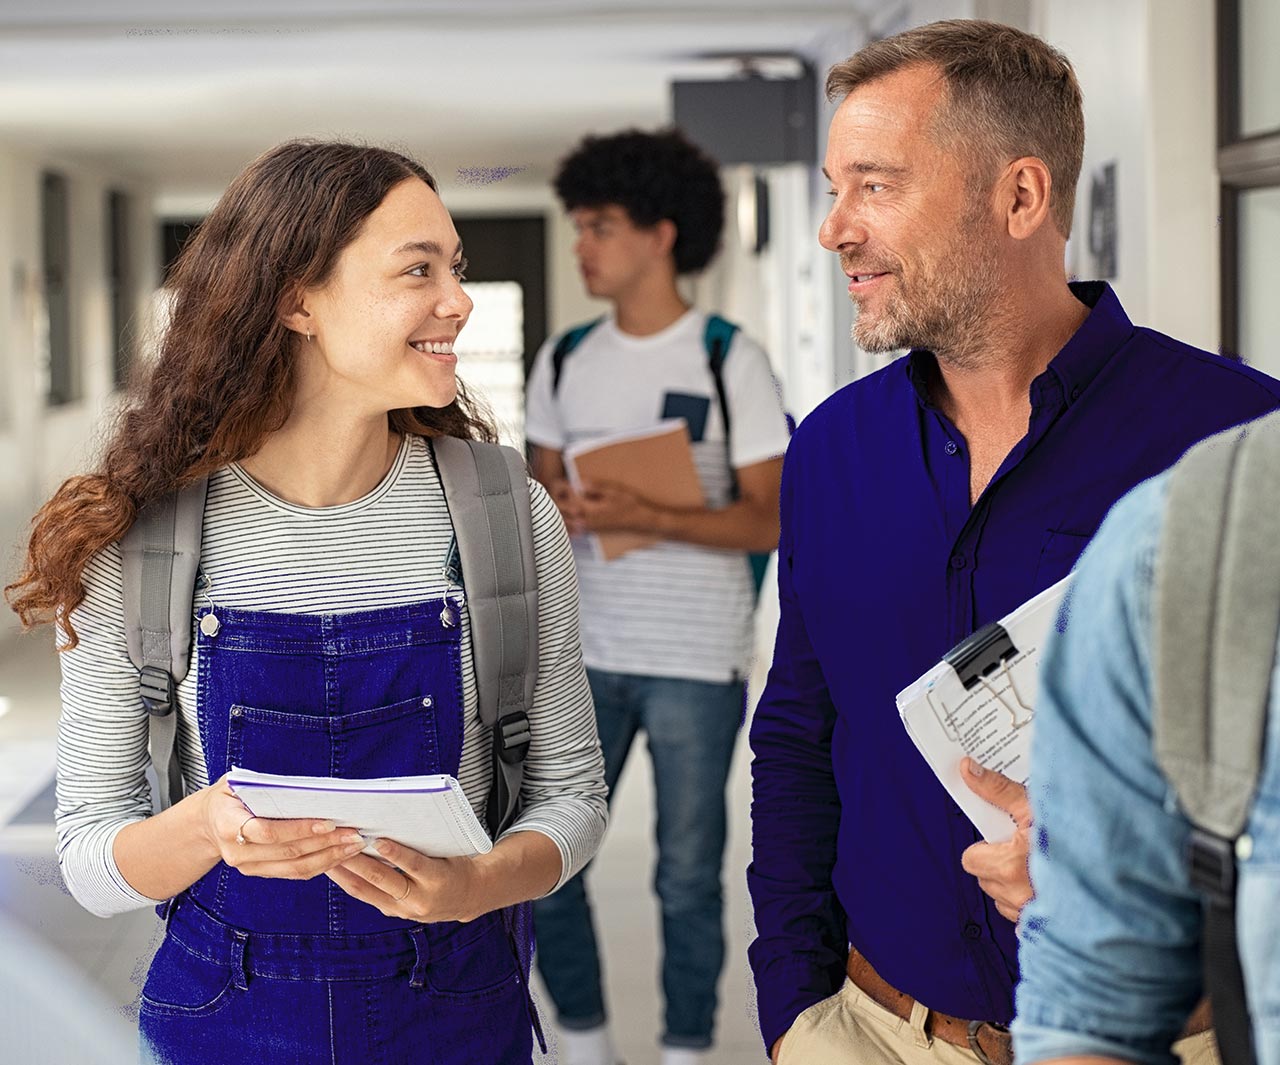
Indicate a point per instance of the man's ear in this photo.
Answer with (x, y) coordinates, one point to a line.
(1025, 189)
(665, 233)
(293, 314)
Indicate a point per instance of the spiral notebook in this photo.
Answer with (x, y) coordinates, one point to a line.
(430, 814)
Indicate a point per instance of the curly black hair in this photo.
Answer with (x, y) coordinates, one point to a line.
(652, 176)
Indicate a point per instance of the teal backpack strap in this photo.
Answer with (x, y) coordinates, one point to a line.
(717, 338)
(487, 490)
(569, 340)
(160, 557)
(1217, 621)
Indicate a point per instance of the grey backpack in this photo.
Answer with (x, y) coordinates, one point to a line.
(1217, 619)
(487, 493)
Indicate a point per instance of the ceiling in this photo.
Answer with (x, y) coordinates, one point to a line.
(182, 94)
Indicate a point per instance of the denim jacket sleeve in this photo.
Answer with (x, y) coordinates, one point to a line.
(1109, 950)
(798, 956)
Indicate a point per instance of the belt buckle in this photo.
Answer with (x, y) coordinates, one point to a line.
(974, 1028)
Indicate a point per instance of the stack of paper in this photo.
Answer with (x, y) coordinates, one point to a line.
(654, 463)
(990, 720)
(430, 814)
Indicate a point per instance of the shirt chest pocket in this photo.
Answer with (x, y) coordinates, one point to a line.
(1059, 551)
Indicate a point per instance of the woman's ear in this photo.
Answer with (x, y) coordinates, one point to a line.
(293, 314)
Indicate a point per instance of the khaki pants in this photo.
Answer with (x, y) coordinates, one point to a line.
(850, 1029)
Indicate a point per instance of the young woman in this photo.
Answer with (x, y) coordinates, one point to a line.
(308, 363)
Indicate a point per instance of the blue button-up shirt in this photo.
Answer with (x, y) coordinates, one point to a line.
(883, 566)
(1111, 944)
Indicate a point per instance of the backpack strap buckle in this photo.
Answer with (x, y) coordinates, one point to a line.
(159, 693)
(1211, 864)
(513, 737)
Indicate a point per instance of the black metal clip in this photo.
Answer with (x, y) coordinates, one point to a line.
(980, 653)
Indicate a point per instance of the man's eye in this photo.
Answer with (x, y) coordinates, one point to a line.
(832, 192)
(421, 270)
(874, 187)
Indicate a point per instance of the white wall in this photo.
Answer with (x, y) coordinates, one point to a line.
(40, 446)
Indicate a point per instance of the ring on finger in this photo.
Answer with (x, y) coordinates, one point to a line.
(408, 884)
(240, 831)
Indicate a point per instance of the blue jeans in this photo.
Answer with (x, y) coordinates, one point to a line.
(691, 727)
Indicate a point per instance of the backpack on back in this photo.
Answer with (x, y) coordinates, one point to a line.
(716, 339)
(1216, 613)
(487, 492)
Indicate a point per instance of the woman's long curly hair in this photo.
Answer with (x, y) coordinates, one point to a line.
(225, 375)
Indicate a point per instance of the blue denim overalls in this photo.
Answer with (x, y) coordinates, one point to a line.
(282, 971)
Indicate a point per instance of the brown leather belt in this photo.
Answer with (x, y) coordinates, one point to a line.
(989, 1041)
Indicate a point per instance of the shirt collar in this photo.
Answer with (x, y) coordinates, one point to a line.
(1101, 335)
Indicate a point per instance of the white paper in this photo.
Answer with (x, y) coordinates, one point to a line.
(429, 814)
(992, 721)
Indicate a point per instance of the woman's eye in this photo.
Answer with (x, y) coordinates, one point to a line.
(460, 269)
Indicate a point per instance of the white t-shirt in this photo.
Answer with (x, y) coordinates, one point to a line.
(674, 609)
(262, 553)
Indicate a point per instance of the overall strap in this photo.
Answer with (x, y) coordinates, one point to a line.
(160, 557)
(487, 491)
(569, 340)
(1217, 620)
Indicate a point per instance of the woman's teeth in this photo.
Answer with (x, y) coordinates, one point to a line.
(435, 349)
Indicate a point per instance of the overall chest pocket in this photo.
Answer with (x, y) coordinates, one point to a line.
(400, 739)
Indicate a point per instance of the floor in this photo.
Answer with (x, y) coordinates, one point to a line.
(112, 954)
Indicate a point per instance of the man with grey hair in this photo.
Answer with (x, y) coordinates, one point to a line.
(919, 504)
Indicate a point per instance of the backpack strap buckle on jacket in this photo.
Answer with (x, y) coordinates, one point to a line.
(159, 692)
(514, 737)
(1211, 866)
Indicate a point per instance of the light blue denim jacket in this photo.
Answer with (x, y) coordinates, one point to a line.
(1110, 945)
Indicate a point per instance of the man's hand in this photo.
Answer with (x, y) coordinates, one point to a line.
(1001, 868)
(570, 505)
(608, 507)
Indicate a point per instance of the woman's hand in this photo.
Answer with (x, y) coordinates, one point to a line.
(275, 848)
(418, 889)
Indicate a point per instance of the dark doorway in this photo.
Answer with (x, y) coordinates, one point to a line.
(512, 248)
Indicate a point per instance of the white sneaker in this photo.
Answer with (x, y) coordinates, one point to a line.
(586, 1046)
(684, 1056)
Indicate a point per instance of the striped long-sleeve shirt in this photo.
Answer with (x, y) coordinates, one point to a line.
(262, 553)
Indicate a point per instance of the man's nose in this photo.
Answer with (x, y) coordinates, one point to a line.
(841, 228)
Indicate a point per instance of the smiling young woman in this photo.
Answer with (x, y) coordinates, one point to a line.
(308, 364)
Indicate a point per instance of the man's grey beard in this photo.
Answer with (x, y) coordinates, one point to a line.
(949, 318)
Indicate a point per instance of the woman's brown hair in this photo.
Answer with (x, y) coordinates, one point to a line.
(224, 377)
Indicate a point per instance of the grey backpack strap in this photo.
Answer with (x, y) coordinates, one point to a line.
(1217, 616)
(487, 490)
(160, 558)
(1217, 620)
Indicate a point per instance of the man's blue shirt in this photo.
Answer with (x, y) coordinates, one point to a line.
(883, 566)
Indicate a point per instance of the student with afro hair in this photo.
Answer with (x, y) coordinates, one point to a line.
(666, 629)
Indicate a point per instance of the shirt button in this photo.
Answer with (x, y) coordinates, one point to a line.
(1075, 392)
(958, 562)
(972, 930)
(951, 448)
